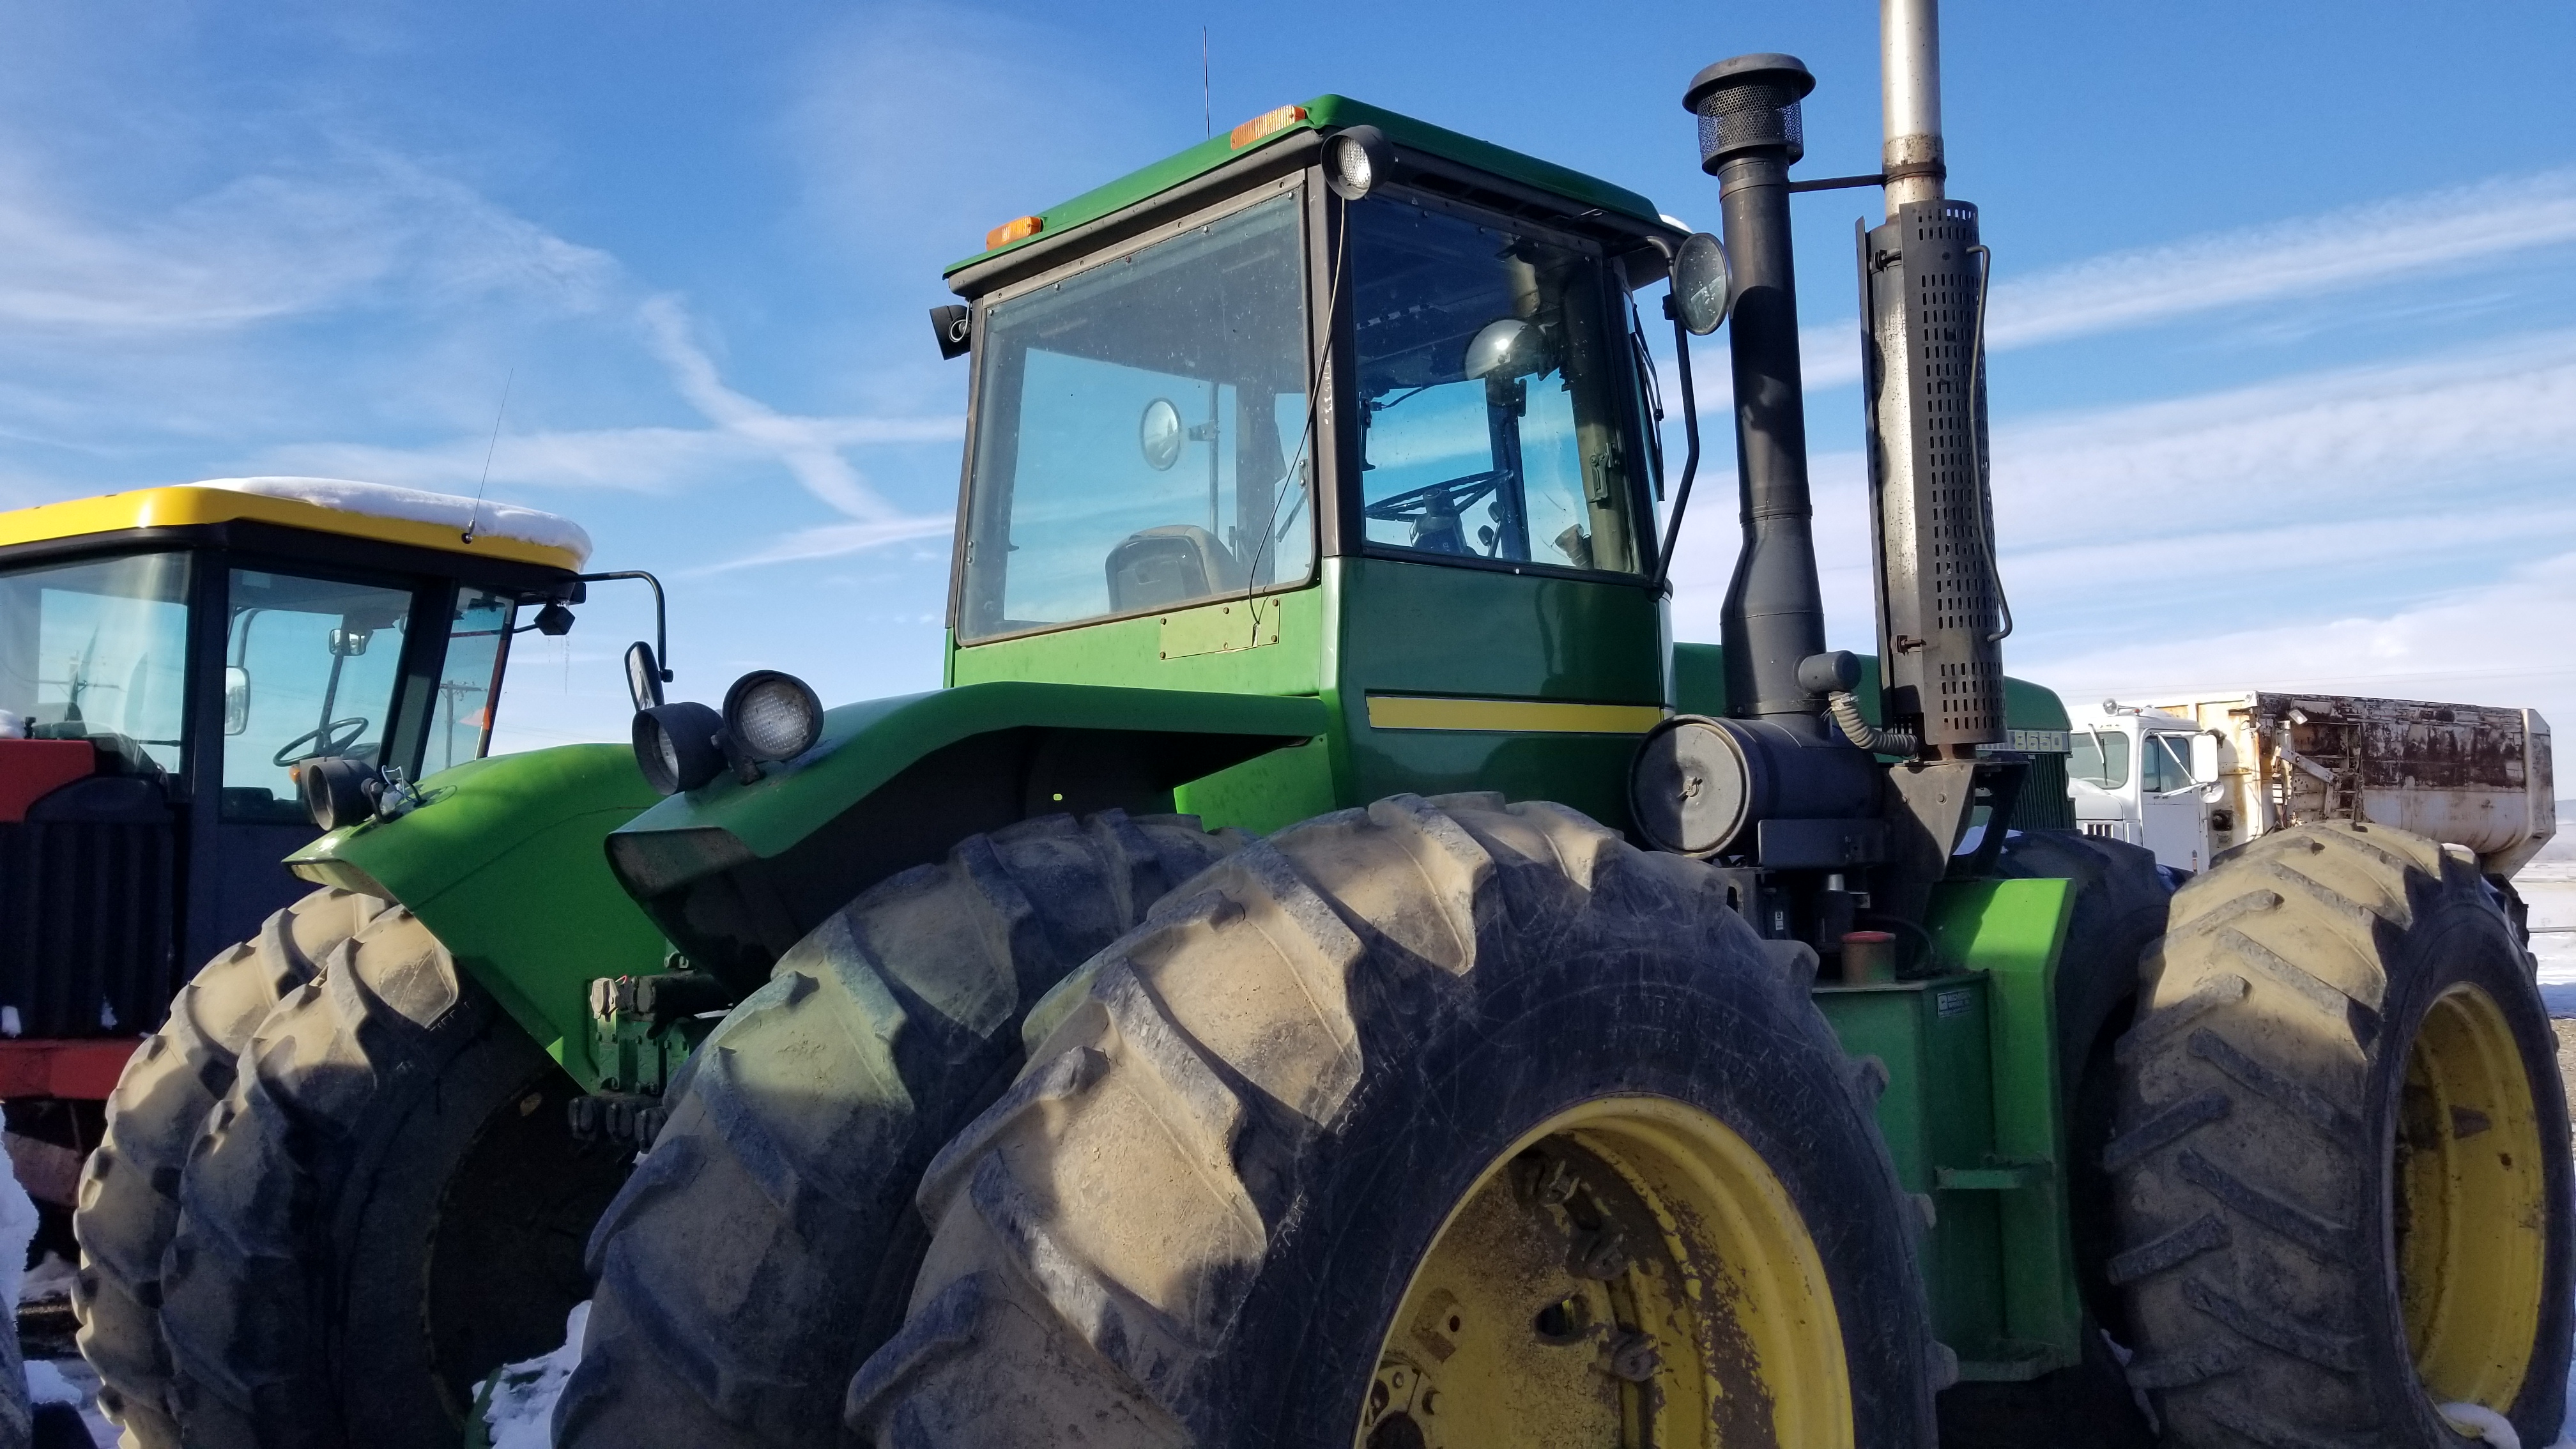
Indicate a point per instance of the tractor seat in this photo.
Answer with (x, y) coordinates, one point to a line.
(1172, 564)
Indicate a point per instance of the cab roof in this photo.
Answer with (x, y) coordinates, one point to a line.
(377, 512)
(1323, 113)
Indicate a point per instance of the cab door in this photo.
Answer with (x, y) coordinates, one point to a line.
(2170, 804)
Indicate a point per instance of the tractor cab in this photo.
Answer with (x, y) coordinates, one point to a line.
(172, 662)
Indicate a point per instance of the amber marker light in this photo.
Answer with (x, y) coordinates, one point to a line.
(1018, 228)
(1268, 123)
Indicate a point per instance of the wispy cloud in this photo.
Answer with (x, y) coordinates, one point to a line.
(2461, 645)
(836, 540)
(2406, 237)
(355, 228)
(2331, 493)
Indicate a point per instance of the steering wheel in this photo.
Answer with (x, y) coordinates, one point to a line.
(1440, 504)
(330, 739)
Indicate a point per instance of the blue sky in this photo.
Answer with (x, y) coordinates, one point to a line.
(2285, 353)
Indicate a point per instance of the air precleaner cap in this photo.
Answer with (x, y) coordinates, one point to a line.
(1749, 103)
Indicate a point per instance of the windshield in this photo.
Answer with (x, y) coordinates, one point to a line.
(98, 651)
(1140, 433)
(2099, 757)
(1489, 381)
(310, 667)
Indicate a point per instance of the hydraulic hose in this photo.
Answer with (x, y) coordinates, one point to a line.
(1846, 712)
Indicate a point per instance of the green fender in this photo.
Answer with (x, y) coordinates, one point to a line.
(502, 861)
(736, 873)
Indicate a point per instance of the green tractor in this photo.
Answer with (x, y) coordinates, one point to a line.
(1328, 970)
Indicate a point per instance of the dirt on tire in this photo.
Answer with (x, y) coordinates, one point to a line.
(385, 1205)
(766, 1243)
(1191, 1218)
(2263, 1100)
(129, 1191)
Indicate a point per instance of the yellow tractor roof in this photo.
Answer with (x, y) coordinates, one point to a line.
(374, 511)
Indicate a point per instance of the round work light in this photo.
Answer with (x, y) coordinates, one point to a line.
(676, 748)
(338, 790)
(772, 716)
(1356, 161)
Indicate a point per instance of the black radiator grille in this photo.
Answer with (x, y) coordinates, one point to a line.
(86, 927)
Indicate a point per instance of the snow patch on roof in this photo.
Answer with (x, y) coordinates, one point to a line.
(383, 500)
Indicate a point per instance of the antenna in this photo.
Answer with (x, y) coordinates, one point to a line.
(474, 519)
(1207, 104)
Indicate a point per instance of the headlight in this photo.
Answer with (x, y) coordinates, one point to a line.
(1356, 161)
(675, 746)
(336, 790)
(772, 716)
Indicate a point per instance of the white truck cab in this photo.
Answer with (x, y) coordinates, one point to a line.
(2146, 777)
(2189, 778)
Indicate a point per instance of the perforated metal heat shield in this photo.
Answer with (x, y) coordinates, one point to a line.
(1932, 514)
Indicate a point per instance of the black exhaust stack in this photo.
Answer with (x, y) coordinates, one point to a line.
(1774, 616)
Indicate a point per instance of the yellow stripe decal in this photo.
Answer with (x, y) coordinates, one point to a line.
(1513, 716)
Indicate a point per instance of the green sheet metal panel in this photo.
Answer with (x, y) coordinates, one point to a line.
(1972, 1118)
(1937, 1113)
(504, 864)
(2014, 930)
(864, 745)
(1496, 639)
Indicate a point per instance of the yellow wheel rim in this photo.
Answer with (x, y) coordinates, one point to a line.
(1630, 1273)
(2470, 1209)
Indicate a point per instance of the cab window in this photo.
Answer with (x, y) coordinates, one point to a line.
(1140, 438)
(310, 668)
(460, 723)
(2168, 763)
(98, 651)
(1492, 387)
(2099, 757)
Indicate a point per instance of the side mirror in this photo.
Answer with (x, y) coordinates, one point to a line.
(1159, 434)
(237, 699)
(2205, 768)
(643, 676)
(1703, 284)
(1507, 348)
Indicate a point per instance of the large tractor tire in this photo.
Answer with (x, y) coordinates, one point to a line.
(129, 1191)
(385, 1206)
(2342, 1157)
(766, 1243)
(1435, 1125)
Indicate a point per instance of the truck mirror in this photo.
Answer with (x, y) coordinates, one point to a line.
(954, 328)
(349, 643)
(2204, 758)
(237, 699)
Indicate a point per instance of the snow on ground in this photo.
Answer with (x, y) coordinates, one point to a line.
(522, 1412)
